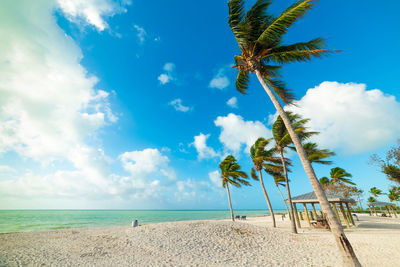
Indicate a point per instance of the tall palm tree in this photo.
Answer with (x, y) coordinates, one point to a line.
(359, 193)
(371, 199)
(339, 175)
(375, 191)
(231, 174)
(316, 155)
(282, 141)
(262, 157)
(259, 36)
(394, 195)
(279, 180)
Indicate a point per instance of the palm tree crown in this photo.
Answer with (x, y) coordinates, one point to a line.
(339, 175)
(259, 36)
(375, 191)
(281, 135)
(231, 173)
(316, 155)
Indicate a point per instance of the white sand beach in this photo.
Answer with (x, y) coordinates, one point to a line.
(202, 243)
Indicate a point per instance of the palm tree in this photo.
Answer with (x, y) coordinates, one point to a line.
(324, 181)
(282, 141)
(262, 157)
(375, 191)
(279, 180)
(371, 199)
(259, 36)
(359, 193)
(339, 175)
(316, 155)
(231, 174)
(394, 195)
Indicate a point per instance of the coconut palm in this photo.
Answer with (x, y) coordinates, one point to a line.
(316, 155)
(394, 194)
(263, 158)
(359, 193)
(375, 191)
(371, 199)
(231, 174)
(279, 180)
(259, 36)
(324, 181)
(339, 175)
(282, 141)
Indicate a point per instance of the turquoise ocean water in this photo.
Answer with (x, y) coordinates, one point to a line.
(34, 220)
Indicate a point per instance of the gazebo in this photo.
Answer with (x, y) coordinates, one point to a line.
(334, 200)
(389, 207)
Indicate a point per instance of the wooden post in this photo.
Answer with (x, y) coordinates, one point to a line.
(296, 215)
(315, 211)
(344, 214)
(306, 212)
(336, 212)
(351, 216)
(322, 215)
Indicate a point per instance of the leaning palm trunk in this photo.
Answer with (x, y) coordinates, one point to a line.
(349, 257)
(292, 221)
(267, 199)
(284, 202)
(230, 204)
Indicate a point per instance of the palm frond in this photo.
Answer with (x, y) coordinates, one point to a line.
(253, 174)
(284, 57)
(242, 81)
(278, 27)
(236, 16)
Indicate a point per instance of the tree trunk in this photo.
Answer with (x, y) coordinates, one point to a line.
(230, 204)
(284, 202)
(267, 199)
(349, 257)
(292, 223)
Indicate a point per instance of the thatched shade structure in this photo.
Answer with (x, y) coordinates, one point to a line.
(334, 200)
(389, 207)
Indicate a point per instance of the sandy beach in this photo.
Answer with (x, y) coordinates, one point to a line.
(202, 243)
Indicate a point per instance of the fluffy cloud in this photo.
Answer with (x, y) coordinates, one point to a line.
(202, 149)
(177, 104)
(91, 12)
(215, 178)
(47, 99)
(220, 80)
(168, 74)
(141, 33)
(236, 132)
(140, 164)
(232, 102)
(350, 117)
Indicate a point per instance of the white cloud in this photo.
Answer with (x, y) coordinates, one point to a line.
(220, 80)
(177, 104)
(204, 151)
(215, 178)
(168, 75)
(236, 132)
(140, 164)
(91, 12)
(232, 102)
(141, 33)
(350, 117)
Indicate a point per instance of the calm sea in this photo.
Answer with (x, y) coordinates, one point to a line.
(34, 220)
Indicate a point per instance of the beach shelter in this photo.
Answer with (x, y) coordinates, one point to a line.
(390, 207)
(311, 199)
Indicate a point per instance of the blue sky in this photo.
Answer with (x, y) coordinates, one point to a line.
(132, 104)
